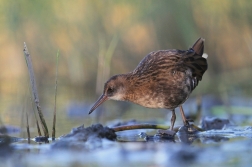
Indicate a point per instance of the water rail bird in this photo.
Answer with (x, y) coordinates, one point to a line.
(163, 79)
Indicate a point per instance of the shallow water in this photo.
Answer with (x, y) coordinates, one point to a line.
(226, 145)
(230, 146)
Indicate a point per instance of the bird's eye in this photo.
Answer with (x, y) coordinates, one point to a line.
(110, 90)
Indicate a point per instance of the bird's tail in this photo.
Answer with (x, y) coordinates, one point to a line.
(198, 47)
(196, 61)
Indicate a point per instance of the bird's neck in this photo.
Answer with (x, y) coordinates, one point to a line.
(133, 87)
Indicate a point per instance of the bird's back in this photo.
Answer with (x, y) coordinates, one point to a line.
(174, 60)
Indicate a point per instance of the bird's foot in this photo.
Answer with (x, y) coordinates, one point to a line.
(189, 120)
(186, 122)
(190, 129)
(167, 133)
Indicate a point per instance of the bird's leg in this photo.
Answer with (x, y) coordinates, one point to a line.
(171, 133)
(183, 116)
(173, 119)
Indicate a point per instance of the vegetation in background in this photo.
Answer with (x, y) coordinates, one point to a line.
(124, 31)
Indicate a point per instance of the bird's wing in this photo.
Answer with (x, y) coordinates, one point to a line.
(156, 61)
(178, 60)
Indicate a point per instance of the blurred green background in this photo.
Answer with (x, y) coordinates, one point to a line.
(97, 39)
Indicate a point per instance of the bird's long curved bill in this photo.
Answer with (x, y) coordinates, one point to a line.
(101, 99)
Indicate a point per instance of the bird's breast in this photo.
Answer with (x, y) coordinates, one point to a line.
(150, 100)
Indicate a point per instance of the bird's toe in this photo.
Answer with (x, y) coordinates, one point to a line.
(170, 133)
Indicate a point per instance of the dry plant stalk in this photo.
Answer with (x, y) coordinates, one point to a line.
(140, 126)
(37, 124)
(55, 97)
(34, 89)
(28, 130)
(149, 126)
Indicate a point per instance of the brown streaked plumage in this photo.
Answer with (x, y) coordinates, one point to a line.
(163, 79)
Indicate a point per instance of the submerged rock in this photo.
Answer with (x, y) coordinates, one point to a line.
(83, 138)
(5, 149)
(209, 123)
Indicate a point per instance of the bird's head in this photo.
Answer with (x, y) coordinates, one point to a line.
(114, 89)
